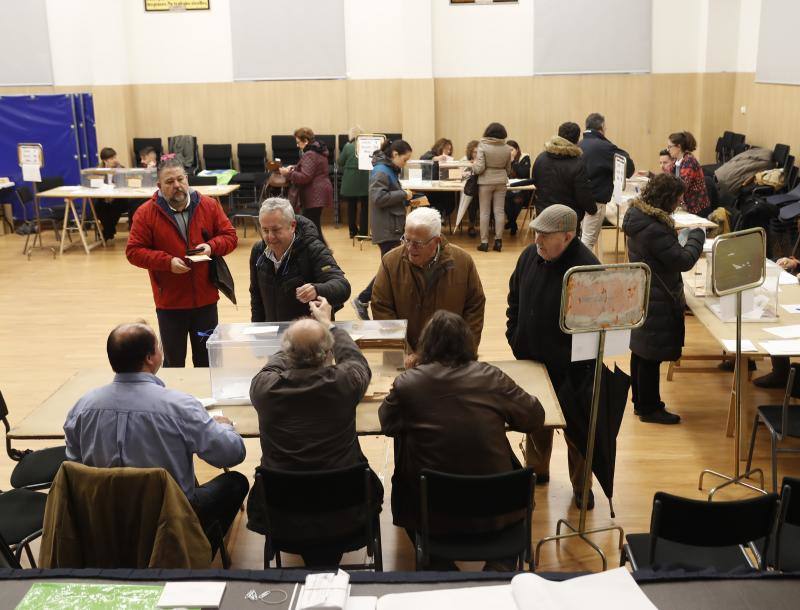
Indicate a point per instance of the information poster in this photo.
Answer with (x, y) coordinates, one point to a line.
(176, 5)
(620, 167)
(366, 145)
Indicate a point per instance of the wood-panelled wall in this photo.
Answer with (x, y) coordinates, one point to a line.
(640, 110)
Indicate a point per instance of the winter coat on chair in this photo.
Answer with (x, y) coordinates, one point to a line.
(652, 239)
(560, 177)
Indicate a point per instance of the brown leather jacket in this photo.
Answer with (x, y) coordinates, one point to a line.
(402, 293)
(126, 518)
(435, 411)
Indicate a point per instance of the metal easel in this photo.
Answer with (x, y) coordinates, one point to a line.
(738, 264)
(599, 298)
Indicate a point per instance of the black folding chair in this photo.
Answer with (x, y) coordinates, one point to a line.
(323, 500)
(21, 518)
(7, 559)
(285, 149)
(785, 548)
(448, 498)
(141, 143)
(699, 534)
(217, 156)
(781, 421)
(34, 469)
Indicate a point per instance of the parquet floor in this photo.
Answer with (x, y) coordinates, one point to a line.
(56, 314)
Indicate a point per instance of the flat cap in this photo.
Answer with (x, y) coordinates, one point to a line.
(555, 218)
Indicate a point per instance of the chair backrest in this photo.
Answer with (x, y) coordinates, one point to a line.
(285, 149)
(779, 155)
(94, 507)
(202, 180)
(790, 500)
(252, 157)
(7, 559)
(218, 156)
(330, 142)
(712, 524)
(341, 140)
(140, 143)
(476, 496)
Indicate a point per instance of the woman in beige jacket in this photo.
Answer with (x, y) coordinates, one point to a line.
(492, 166)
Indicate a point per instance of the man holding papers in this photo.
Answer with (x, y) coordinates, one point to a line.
(175, 224)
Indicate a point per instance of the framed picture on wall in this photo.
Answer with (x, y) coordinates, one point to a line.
(176, 5)
(483, 1)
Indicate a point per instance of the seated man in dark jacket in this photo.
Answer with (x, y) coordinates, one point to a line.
(449, 385)
(291, 267)
(560, 174)
(306, 408)
(533, 331)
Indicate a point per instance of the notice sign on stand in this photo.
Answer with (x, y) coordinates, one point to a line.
(620, 167)
(31, 160)
(366, 145)
(738, 261)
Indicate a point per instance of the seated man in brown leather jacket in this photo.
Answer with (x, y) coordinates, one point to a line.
(425, 275)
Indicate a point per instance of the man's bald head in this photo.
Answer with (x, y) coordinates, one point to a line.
(130, 345)
(308, 344)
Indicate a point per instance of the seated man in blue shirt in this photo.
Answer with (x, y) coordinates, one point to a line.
(136, 421)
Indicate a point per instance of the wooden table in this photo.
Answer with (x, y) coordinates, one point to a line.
(451, 186)
(47, 420)
(70, 193)
(6, 212)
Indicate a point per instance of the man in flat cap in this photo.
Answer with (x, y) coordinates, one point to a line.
(533, 331)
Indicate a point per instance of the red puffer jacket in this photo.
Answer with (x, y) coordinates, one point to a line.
(310, 176)
(155, 239)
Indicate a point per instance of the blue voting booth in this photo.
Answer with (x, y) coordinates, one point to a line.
(63, 124)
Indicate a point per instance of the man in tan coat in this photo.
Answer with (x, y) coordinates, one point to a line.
(426, 274)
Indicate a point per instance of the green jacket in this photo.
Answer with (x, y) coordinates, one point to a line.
(355, 182)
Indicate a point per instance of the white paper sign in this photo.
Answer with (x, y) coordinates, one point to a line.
(620, 166)
(747, 345)
(366, 145)
(727, 304)
(584, 345)
(31, 173)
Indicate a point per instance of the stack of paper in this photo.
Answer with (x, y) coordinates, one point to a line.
(747, 345)
(791, 331)
(325, 592)
(785, 347)
(191, 595)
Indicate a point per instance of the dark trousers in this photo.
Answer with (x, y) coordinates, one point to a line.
(515, 201)
(645, 382)
(472, 211)
(175, 324)
(366, 295)
(109, 212)
(218, 501)
(315, 216)
(354, 205)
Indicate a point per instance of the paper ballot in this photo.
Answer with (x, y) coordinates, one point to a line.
(191, 595)
(747, 345)
(325, 592)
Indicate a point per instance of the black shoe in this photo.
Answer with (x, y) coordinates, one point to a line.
(362, 309)
(472, 232)
(352, 235)
(771, 380)
(484, 247)
(513, 230)
(727, 365)
(659, 416)
(543, 479)
(578, 503)
(507, 225)
(498, 245)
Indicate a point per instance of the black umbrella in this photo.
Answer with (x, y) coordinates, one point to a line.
(575, 396)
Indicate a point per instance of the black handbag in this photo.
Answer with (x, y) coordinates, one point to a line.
(471, 186)
(220, 275)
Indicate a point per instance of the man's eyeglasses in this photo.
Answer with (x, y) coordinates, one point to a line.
(409, 243)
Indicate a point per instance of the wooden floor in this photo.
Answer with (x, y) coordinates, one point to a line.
(56, 314)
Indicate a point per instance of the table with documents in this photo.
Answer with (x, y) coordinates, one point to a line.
(46, 420)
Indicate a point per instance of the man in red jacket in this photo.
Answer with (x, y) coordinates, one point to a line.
(165, 229)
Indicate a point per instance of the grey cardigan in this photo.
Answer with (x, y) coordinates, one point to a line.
(493, 163)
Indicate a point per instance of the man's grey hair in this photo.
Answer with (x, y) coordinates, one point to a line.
(307, 352)
(426, 217)
(170, 163)
(595, 121)
(277, 204)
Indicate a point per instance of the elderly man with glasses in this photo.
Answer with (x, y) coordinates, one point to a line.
(425, 274)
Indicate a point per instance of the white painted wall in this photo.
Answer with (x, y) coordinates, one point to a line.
(482, 40)
(749, 22)
(105, 42)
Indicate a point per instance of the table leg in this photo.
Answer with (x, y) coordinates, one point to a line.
(97, 222)
(79, 223)
(68, 206)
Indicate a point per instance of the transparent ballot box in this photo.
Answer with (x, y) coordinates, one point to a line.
(758, 304)
(420, 172)
(97, 177)
(135, 178)
(454, 171)
(236, 352)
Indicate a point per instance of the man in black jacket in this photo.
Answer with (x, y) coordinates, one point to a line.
(291, 267)
(598, 155)
(533, 331)
(560, 174)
